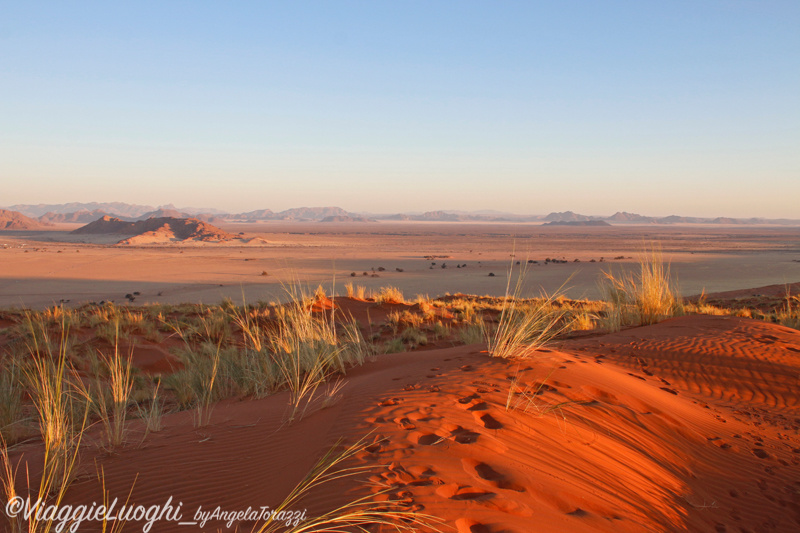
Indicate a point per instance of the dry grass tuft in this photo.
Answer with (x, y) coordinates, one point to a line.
(389, 295)
(640, 299)
(525, 326)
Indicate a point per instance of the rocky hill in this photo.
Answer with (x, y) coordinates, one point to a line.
(18, 221)
(156, 230)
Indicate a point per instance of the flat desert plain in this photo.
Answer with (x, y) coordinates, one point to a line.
(41, 268)
(691, 424)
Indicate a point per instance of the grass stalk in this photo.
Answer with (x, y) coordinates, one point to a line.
(524, 326)
(360, 514)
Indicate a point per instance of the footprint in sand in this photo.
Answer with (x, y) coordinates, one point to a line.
(476, 404)
(487, 474)
(454, 491)
(580, 513)
(377, 444)
(488, 421)
(423, 414)
(464, 436)
(425, 439)
(390, 401)
(761, 453)
(458, 434)
(466, 525)
(405, 423)
(468, 399)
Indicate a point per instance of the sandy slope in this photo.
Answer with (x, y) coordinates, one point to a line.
(689, 425)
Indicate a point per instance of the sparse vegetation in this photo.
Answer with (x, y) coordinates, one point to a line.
(112, 395)
(641, 298)
(789, 314)
(389, 295)
(524, 326)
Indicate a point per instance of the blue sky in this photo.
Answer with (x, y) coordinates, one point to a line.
(660, 108)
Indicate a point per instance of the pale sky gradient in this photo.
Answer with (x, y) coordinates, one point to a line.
(673, 107)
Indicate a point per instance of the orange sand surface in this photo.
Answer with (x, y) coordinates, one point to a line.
(688, 425)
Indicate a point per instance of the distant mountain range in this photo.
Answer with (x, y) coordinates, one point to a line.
(45, 214)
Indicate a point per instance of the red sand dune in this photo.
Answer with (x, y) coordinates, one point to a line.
(688, 425)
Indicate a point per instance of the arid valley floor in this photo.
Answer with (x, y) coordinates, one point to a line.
(40, 268)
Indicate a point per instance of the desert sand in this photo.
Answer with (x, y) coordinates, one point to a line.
(688, 425)
(691, 424)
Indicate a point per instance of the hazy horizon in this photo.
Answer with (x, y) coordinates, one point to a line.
(522, 107)
(210, 209)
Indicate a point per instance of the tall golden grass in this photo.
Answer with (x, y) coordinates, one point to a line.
(62, 404)
(640, 298)
(525, 325)
(112, 396)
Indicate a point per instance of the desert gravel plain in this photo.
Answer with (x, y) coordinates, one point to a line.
(40, 268)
